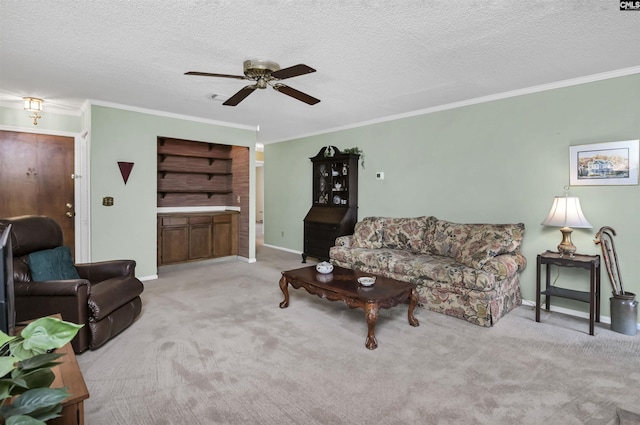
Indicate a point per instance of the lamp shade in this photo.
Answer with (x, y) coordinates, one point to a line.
(566, 212)
(32, 104)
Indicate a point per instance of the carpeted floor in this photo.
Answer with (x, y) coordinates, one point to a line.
(213, 347)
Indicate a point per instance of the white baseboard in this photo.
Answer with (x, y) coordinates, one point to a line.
(246, 259)
(293, 251)
(575, 313)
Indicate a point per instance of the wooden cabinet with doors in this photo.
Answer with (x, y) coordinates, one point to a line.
(334, 209)
(184, 237)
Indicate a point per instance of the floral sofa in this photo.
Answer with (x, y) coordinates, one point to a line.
(470, 271)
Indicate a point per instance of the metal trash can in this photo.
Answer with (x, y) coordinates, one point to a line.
(624, 313)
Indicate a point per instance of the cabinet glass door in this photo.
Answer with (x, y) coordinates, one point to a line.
(340, 183)
(322, 184)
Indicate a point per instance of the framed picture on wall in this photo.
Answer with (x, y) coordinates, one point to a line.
(604, 164)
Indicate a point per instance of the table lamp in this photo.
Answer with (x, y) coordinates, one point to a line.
(566, 213)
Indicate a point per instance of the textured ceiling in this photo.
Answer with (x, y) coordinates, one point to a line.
(374, 59)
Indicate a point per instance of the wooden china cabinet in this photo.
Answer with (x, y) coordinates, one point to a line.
(334, 210)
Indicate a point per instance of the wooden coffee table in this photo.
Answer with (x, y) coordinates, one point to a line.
(342, 285)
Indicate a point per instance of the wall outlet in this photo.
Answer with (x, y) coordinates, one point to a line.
(380, 175)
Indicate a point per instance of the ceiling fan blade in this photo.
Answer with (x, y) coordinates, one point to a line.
(208, 74)
(296, 94)
(292, 71)
(239, 96)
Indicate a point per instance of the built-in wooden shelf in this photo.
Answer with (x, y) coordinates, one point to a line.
(188, 169)
(209, 193)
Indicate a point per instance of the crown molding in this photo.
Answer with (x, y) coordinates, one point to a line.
(483, 99)
(94, 102)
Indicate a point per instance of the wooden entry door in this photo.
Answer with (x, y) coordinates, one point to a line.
(36, 177)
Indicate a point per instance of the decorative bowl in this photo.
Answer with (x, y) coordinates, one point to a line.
(324, 267)
(367, 280)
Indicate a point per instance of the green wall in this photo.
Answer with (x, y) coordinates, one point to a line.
(496, 162)
(19, 118)
(128, 228)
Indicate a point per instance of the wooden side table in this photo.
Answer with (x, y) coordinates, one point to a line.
(588, 262)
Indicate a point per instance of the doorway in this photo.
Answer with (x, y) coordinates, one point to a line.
(37, 175)
(259, 202)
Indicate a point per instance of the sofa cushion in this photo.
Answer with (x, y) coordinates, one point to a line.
(505, 266)
(405, 233)
(52, 264)
(447, 238)
(437, 270)
(486, 241)
(368, 233)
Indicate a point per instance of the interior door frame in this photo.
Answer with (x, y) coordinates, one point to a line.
(81, 188)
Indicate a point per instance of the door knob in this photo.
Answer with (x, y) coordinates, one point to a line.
(69, 214)
(69, 205)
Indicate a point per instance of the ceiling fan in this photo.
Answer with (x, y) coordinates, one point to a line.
(265, 73)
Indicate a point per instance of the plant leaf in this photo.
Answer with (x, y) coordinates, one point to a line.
(5, 387)
(24, 420)
(39, 378)
(46, 333)
(4, 338)
(40, 361)
(7, 364)
(13, 386)
(46, 413)
(31, 401)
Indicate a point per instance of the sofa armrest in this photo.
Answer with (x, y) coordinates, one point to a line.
(97, 272)
(52, 288)
(505, 265)
(109, 295)
(66, 297)
(346, 241)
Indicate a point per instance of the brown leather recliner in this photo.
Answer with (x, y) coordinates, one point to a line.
(106, 298)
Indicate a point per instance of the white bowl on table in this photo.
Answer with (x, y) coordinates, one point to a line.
(367, 280)
(324, 267)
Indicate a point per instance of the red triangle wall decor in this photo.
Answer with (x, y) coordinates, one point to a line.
(125, 170)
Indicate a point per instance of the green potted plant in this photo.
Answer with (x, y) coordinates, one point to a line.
(356, 150)
(25, 365)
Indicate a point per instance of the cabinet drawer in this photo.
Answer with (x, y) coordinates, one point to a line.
(320, 237)
(321, 227)
(200, 220)
(222, 218)
(174, 221)
(317, 245)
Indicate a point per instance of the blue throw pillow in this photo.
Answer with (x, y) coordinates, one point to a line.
(52, 264)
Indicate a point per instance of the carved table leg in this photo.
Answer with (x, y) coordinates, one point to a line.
(284, 287)
(371, 312)
(413, 301)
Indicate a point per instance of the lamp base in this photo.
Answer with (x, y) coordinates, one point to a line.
(566, 247)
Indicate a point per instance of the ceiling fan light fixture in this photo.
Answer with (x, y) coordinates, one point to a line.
(258, 68)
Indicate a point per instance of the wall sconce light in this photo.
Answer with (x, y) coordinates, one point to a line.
(566, 213)
(33, 104)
